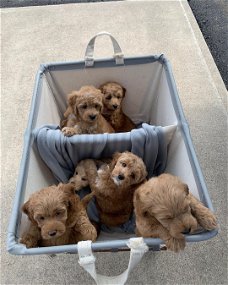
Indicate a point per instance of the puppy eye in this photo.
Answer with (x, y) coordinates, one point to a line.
(76, 173)
(145, 214)
(58, 214)
(133, 175)
(84, 179)
(108, 97)
(124, 164)
(41, 218)
(97, 106)
(84, 106)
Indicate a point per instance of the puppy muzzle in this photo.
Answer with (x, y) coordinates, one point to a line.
(115, 107)
(117, 180)
(52, 230)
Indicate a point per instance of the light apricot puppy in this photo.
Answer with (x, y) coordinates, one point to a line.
(79, 179)
(86, 107)
(113, 186)
(57, 217)
(165, 209)
(113, 95)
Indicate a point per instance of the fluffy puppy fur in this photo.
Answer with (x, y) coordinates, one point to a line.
(113, 186)
(113, 94)
(85, 107)
(69, 118)
(165, 209)
(79, 179)
(57, 217)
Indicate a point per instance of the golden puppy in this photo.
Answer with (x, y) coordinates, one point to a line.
(57, 217)
(79, 179)
(113, 186)
(165, 209)
(113, 95)
(86, 106)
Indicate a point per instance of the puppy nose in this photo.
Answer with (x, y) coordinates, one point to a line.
(52, 233)
(115, 106)
(121, 177)
(92, 117)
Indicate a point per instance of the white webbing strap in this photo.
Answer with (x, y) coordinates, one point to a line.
(87, 261)
(89, 53)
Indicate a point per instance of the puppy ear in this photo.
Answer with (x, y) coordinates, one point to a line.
(141, 202)
(124, 91)
(28, 210)
(101, 108)
(68, 111)
(72, 201)
(25, 208)
(101, 104)
(115, 157)
(99, 99)
(186, 189)
(101, 88)
(100, 94)
(68, 188)
(70, 197)
(72, 98)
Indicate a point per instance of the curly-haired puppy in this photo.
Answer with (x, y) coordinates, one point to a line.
(57, 217)
(79, 179)
(113, 186)
(165, 209)
(86, 106)
(113, 94)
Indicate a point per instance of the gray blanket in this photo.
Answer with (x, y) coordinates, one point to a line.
(61, 154)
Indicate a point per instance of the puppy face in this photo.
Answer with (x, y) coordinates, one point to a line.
(113, 95)
(48, 209)
(86, 104)
(80, 178)
(166, 199)
(127, 169)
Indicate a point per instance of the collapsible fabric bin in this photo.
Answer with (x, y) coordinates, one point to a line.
(151, 97)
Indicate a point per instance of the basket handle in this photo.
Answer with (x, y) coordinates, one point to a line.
(89, 58)
(87, 261)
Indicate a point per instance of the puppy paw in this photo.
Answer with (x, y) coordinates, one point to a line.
(208, 221)
(89, 232)
(29, 241)
(175, 244)
(68, 132)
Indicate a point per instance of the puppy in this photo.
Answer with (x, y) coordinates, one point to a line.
(57, 217)
(113, 95)
(86, 107)
(165, 209)
(79, 179)
(113, 186)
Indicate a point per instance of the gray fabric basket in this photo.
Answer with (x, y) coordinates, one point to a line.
(151, 97)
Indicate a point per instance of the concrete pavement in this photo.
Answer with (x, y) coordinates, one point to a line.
(35, 35)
